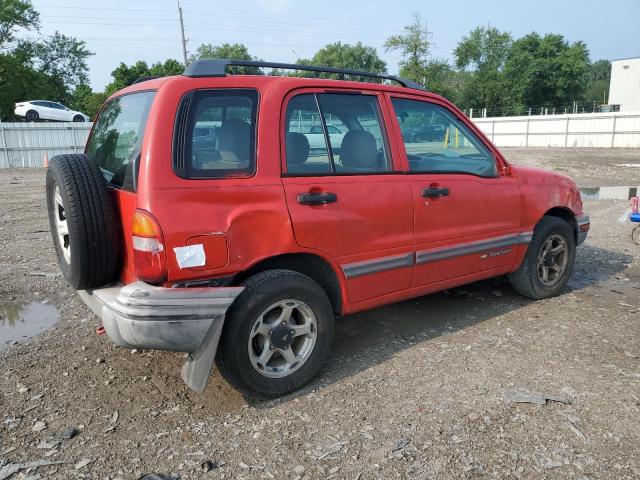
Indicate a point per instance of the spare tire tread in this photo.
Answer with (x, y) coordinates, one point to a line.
(91, 219)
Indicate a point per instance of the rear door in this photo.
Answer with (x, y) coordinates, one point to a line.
(345, 195)
(467, 209)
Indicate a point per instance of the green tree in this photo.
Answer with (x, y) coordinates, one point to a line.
(544, 71)
(16, 14)
(483, 54)
(168, 68)
(443, 79)
(344, 55)
(235, 51)
(415, 47)
(19, 81)
(86, 100)
(60, 56)
(597, 81)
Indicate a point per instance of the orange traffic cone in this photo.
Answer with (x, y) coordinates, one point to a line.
(45, 161)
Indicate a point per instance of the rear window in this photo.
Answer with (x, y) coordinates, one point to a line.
(215, 134)
(116, 138)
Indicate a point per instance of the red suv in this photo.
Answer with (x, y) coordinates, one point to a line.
(218, 215)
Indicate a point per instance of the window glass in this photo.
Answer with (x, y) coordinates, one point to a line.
(436, 141)
(353, 129)
(116, 137)
(220, 134)
(306, 146)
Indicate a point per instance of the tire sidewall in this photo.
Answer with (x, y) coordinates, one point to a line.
(34, 116)
(54, 180)
(241, 319)
(550, 226)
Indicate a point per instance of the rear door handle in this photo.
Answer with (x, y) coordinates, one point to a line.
(433, 192)
(316, 198)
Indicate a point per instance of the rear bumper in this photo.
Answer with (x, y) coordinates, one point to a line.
(583, 223)
(190, 320)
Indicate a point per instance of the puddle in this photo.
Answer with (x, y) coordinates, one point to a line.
(609, 193)
(24, 320)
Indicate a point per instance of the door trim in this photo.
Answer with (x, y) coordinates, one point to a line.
(441, 253)
(381, 264)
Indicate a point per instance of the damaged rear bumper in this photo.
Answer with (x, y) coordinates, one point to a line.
(189, 320)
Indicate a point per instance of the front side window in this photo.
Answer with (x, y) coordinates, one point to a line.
(219, 135)
(436, 141)
(335, 134)
(116, 138)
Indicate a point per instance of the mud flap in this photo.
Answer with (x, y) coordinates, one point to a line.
(197, 368)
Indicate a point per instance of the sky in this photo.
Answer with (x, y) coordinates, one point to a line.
(283, 30)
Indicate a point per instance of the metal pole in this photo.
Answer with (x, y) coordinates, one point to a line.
(526, 138)
(184, 40)
(613, 132)
(566, 134)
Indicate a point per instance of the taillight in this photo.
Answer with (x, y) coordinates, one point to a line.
(149, 256)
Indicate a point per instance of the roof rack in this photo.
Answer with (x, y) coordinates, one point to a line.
(215, 67)
(144, 79)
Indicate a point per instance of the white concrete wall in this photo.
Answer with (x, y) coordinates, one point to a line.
(587, 130)
(624, 89)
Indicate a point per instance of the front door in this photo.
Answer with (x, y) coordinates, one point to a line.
(467, 210)
(344, 196)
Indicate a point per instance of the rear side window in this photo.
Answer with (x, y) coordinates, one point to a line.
(215, 134)
(339, 134)
(116, 138)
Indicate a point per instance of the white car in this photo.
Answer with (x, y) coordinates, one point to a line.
(45, 110)
(317, 140)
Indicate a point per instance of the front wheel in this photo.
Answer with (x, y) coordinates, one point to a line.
(277, 334)
(548, 262)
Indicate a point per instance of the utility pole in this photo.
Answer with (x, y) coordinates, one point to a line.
(184, 40)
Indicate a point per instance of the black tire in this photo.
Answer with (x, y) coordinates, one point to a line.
(91, 221)
(78, 118)
(32, 116)
(261, 291)
(526, 280)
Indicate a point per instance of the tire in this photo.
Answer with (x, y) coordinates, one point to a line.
(78, 118)
(88, 254)
(239, 336)
(528, 280)
(32, 116)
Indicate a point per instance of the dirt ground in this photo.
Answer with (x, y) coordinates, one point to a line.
(412, 390)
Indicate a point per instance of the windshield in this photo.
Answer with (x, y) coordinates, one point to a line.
(116, 138)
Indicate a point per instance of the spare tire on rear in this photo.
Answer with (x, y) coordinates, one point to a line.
(83, 221)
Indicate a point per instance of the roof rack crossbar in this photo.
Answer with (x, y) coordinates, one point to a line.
(215, 67)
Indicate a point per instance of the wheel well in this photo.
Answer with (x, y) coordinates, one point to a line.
(307, 264)
(566, 215)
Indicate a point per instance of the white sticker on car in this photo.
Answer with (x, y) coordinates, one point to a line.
(190, 256)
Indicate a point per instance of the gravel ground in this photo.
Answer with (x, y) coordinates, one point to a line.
(412, 390)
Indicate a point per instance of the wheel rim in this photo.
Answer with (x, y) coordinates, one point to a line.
(552, 260)
(62, 227)
(32, 115)
(282, 338)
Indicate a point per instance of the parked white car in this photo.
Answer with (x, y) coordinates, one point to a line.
(317, 140)
(35, 110)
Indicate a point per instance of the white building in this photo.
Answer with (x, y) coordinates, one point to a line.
(624, 89)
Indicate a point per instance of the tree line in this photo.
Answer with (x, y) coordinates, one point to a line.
(490, 69)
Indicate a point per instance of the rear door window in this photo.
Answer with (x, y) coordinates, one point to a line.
(216, 134)
(339, 134)
(116, 138)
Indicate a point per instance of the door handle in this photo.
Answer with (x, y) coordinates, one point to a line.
(435, 192)
(316, 198)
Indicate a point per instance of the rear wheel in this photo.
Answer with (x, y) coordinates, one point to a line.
(548, 262)
(32, 116)
(82, 220)
(78, 118)
(277, 334)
